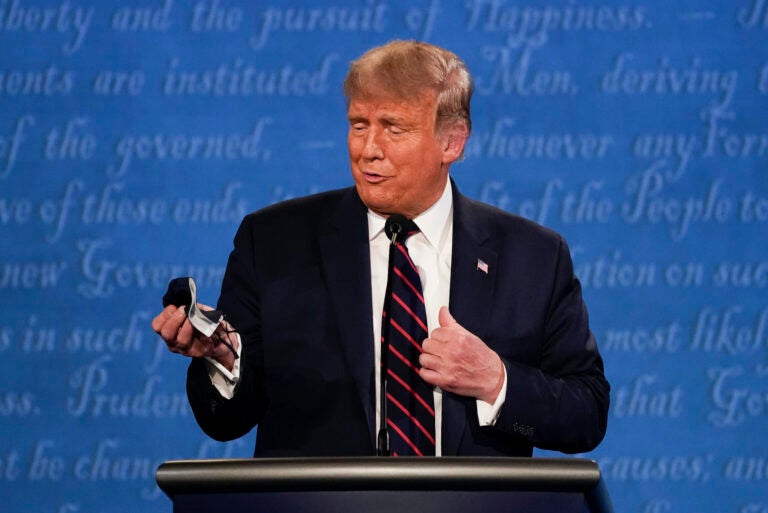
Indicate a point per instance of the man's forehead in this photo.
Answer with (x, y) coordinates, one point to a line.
(378, 105)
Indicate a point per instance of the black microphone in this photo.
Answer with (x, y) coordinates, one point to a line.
(393, 227)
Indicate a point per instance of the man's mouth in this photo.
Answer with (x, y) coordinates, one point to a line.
(373, 177)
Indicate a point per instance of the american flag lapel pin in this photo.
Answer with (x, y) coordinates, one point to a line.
(482, 266)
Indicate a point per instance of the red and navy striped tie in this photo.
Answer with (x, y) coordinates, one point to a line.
(410, 404)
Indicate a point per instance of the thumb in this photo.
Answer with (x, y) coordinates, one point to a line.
(445, 318)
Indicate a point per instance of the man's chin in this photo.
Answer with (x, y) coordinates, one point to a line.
(376, 204)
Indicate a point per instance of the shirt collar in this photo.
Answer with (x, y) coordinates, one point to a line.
(432, 222)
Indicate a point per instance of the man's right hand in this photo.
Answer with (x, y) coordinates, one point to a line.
(181, 337)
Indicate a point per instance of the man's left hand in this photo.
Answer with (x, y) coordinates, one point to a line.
(457, 361)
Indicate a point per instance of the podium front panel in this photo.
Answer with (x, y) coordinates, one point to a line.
(378, 501)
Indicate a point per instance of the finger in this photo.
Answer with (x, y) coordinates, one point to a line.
(162, 317)
(430, 361)
(431, 376)
(170, 329)
(430, 345)
(445, 318)
(442, 335)
(186, 337)
(198, 347)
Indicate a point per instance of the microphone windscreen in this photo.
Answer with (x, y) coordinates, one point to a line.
(394, 226)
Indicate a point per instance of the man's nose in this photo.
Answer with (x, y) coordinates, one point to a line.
(372, 149)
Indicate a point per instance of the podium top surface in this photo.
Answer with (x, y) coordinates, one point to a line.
(375, 473)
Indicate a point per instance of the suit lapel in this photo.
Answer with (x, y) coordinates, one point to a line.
(346, 263)
(473, 281)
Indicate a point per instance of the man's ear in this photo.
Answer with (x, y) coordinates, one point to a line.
(453, 139)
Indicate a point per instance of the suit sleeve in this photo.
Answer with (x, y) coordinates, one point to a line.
(561, 403)
(220, 418)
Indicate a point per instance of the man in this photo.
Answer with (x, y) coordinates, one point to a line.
(509, 355)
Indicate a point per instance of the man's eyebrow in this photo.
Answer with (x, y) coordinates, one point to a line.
(392, 119)
(387, 119)
(401, 121)
(356, 118)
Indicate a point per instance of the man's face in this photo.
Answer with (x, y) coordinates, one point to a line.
(398, 162)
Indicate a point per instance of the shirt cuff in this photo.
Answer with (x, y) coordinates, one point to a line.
(487, 413)
(224, 380)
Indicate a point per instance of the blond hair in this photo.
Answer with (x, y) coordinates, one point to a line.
(406, 70)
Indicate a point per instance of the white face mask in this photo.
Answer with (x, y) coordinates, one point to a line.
(183, 292)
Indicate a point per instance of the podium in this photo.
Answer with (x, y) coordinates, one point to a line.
(391, 485)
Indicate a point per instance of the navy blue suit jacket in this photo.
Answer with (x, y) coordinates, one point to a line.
(298, 290)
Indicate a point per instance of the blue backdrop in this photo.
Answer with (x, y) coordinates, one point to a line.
(135, 134)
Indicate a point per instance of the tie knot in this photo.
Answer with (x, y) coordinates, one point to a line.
(398, 228)
(409, 228)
